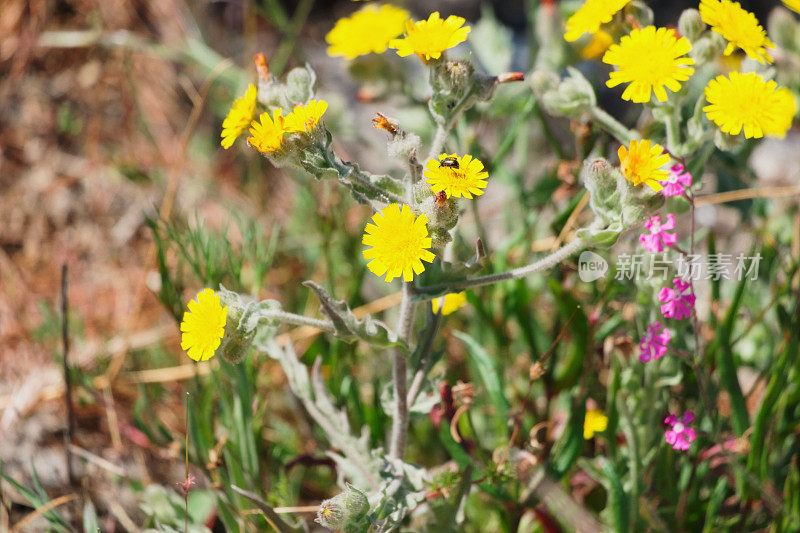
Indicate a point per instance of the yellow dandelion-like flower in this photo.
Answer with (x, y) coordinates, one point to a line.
(597, 46)
(429, 38)
(399, 242)
(203, 326)
(595, 422)
(304, 117)
(450, 303)
(239, 117)
(365, 31)
(643, 162)
(739, 27)
(459, 176)
(748, 102)
(649, 59)
(590, 16)
(794, 5)
(267, 135)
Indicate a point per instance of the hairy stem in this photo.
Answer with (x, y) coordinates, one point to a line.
(399, 374)
(613, 126)
(298, 320)
(542, 264)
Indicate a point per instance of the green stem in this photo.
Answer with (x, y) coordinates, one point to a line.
(613, 126)
(400, 376)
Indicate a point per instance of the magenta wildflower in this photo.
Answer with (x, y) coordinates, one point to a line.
(677, 182)
(680, 436)
(658, 238)
(677, 303)
(654, 343)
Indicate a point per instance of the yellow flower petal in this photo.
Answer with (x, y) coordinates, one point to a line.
(738, 26)
(305, 117)
(429, 38)
(642, 163)
(649, 60)
(366, 31)
(267, 135)
(595, 422)
(590, 16)
(399, 243)
(450, 303)
(748, 102)
(466, 178)
(203, 325)
(239, 117)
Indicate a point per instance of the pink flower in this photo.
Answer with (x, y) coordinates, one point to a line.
(654, 344)
(678, 303)
(658, 237)
(680, 436)
(677, 182)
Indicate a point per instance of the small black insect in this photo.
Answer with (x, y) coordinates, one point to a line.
(449, 162)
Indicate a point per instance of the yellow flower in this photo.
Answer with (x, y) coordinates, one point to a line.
(746, 101)
(590, 16)
(304, 117)
(595, 422)
(642, 163)
(239, 117)
(399, 242)
(463, 177)
(203, 326)
(267, 135)
(366, 31)
(450, 302)
(599, 44)
(794, 5)
(429, 38)
(738, 26)
(649, 59)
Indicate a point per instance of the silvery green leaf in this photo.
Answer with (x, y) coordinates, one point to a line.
(601, 237)
(350, 328)
(423, 403)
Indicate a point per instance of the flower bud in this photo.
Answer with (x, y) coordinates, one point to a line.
(704, 50)
(727, 143)
(638, 11)
(344, 510)
(601, 180)
(300, 85)
(573, 98)
(543, 81)
(784, 29)
(691, 25)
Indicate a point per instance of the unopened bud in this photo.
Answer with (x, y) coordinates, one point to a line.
(638, 13)
(543, 81)
(261, 66)
(727, 143)
(344, 510)
(783, 29)
(691, 25)
(573, 98)
(704, 50)
(300, 84)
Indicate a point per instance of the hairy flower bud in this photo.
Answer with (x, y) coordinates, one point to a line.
(345, 510)
(726, 142)
(784, 29)
(573, 97)
(691, 25)
(640, 12)
(601, 179)
(300, 85)
(704, 50)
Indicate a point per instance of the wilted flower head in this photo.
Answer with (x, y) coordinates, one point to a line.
(654, 343)
(658, 238)
(678, 302)
(677, 182)
(680, 435)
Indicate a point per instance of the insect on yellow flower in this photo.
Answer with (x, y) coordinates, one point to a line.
(450, 303)
(305, 117)
(739, 27)
(399, 243)
(590, 16)
(595, 422)
(649, 59)
(456, 176)
(239, 117)
(748, 102)
(643, 162)
(203, 325)
(429, 38)
(366, 31)
(267, 134)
